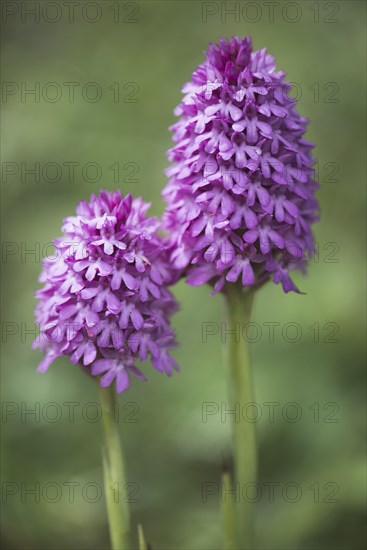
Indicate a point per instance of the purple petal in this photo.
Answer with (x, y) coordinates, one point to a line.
(248, 276)
(137, 319)
(251, 236)
(107, 379)
(122, 381)
(129, 280)
(90, 292)
(113, 303)
(89, 354)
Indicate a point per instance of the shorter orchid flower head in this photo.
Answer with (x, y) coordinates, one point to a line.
(240, 197)
(105, 301)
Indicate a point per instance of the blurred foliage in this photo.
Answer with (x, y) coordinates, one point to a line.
(170, 451)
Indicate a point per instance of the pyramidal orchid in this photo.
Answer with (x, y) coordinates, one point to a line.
(240, 206)
(240, 197)
(105, 304)
(105, 301)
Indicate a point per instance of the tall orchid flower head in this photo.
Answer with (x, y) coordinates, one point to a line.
(240, 197)
(105, 301)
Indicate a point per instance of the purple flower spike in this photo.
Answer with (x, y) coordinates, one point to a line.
(240, 197)
(105, 300)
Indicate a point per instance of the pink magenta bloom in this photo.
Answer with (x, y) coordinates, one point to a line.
(240, 197)
(105, 300)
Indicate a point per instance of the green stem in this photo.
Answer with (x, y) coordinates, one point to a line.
(113, 473)
(239, 303)
(228, 513)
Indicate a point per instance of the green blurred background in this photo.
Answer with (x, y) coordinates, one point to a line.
(170, 451)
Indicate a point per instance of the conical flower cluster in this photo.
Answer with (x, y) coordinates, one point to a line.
(105, 300)
(240, 197)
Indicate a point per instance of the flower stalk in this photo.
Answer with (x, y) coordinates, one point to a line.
(239, 304)
(114, 474)
(228, 512)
